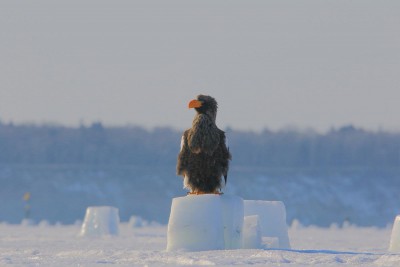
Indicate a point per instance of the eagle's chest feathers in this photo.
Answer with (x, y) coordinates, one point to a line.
(203, 136)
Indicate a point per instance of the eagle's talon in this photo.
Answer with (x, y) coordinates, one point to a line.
(204, 193)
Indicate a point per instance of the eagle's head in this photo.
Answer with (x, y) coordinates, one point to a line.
(205, 104)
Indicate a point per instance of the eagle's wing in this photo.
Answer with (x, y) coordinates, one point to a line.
(182, 162)
(225, 155)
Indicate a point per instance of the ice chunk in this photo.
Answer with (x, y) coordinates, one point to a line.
(100, 221)
(27, 222)
(44, 223)
(205, 222)
(272, 216)
(232, 218)
(395, 238)
(270, 242)
(195, 223)
(251, 232)
(136, 222)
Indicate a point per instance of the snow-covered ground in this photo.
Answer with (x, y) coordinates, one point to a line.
(63, 194)
(60, 245)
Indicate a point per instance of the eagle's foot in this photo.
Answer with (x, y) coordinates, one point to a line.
(204, 193)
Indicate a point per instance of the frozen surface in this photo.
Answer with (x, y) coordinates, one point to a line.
(395, 237)
(311, 246)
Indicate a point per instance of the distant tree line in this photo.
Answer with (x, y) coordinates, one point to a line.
(347, 147)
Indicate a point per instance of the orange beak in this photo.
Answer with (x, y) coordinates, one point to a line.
(195, 104)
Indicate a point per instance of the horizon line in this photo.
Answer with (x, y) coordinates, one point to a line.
(289, 128)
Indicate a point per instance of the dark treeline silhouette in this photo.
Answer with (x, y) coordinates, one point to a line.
(347, 147)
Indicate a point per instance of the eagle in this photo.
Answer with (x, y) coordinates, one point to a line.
(204, 155)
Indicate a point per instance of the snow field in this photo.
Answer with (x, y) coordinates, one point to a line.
(138, 243)
(60, 245)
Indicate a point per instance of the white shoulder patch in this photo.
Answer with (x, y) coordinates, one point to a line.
(186, 183)
(226, 142)
(182, 142)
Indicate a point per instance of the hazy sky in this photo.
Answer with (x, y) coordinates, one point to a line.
(269, 63)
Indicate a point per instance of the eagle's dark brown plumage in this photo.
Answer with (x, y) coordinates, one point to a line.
(204, 156)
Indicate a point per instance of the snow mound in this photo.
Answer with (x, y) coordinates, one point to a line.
(395, 237)
(205, 222)
(100, 221)
(272, 216)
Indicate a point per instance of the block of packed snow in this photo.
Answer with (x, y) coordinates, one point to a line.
(27, 222)
(251, 232)
(272, 216)
(205, 222)
(232, 219)
(270, 242)
(136, 222)
(100, 221)
(195, 223)
(395, 237)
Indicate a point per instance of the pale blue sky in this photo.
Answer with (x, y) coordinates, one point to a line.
(269, 64)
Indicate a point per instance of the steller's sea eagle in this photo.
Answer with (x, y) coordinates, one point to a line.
(204, 156)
